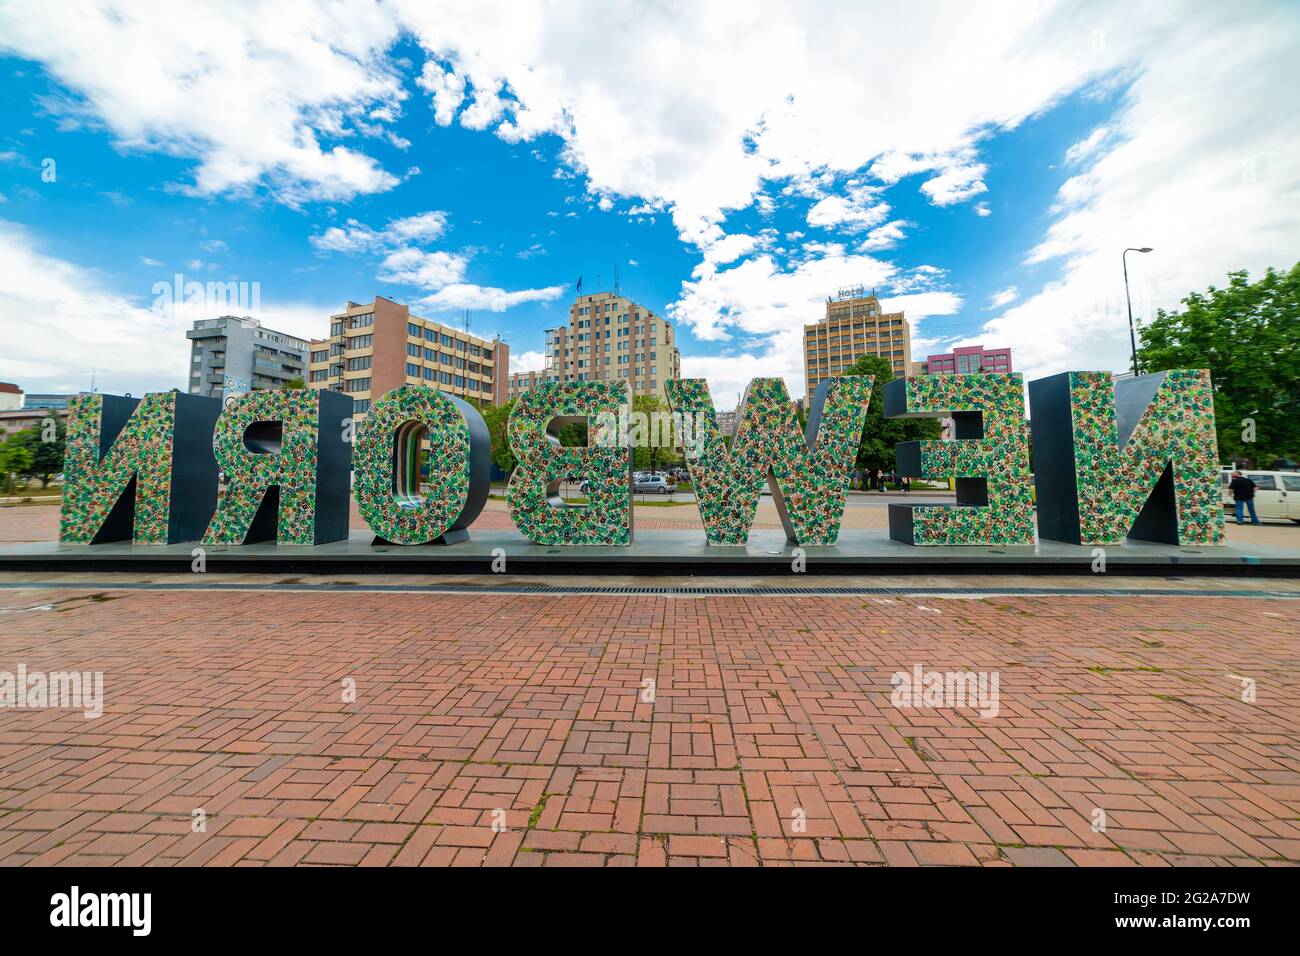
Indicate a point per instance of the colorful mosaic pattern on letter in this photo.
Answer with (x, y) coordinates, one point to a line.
(810, 484)
(142, 449)
(532, 493)
(250, 474)
(401, 516)
(1000, 457)
(1115, 481)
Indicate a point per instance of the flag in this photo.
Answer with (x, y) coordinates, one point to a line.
(579, 283)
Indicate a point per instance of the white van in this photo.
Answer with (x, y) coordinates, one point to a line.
(1277, 493)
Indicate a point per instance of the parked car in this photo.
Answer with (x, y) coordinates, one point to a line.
(1277, 493)
(658, 484)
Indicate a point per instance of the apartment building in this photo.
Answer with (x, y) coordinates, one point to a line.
(375, 347)
(854, 325)
(11, 396)
(968, 358)
(609, 337)
(232, 355)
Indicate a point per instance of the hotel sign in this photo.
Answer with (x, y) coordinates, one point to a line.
(1134, 458)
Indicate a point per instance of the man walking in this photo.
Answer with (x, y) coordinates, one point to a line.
(1243, 495)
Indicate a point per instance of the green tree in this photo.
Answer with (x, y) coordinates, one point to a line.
(496, 417)
(880, 435)
(293, 383)
(1247, 335)
(47, 444)
(15, 458)
(647, 456)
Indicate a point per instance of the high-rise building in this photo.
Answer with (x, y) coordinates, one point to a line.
(375, 347)
(853, 326)
(609, 338)
(968, 358)
(233, 354)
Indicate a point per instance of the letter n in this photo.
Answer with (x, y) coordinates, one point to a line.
(138, 469)
(1135, 457)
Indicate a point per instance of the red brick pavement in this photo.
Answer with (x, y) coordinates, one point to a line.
(512, 730)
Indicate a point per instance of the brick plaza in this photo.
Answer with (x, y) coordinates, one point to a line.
(513, 730)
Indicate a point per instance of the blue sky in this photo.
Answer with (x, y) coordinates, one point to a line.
(987, 190)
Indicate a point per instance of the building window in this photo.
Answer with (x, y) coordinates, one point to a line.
(359, 364)
(357, 384)
(361, 341)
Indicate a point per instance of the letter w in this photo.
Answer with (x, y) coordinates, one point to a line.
(808, 473)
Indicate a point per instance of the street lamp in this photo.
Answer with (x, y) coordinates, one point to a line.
(1132, 336)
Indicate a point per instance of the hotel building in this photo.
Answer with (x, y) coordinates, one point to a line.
(375, 347)
(854, 325)
(609, 337)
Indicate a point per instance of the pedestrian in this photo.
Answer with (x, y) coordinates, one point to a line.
(907, 485)
(879, 478)
(1243, 496)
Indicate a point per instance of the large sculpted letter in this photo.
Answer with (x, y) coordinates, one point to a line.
(989, 458)
(286, 465)
(808, 474)
(138, 469)
(388, 466)
(533, 494)
(1136, 456)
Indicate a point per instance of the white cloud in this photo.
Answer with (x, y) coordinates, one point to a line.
(1086, 146)
(527, 362)
(77, 325)
(463, 295)
(257, 94)
(146, 261)
(356, 237)
(857, 210)
(425, 270)
(1004, 297)
(956, 183)
(1204, 168)
(884, 237)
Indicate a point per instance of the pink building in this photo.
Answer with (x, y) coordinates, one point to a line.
(968, 358)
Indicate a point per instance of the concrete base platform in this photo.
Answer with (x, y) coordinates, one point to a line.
(654, 552)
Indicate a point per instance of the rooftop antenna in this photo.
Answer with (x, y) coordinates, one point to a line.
(465, 320)
(92, 381)
(616, 286)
